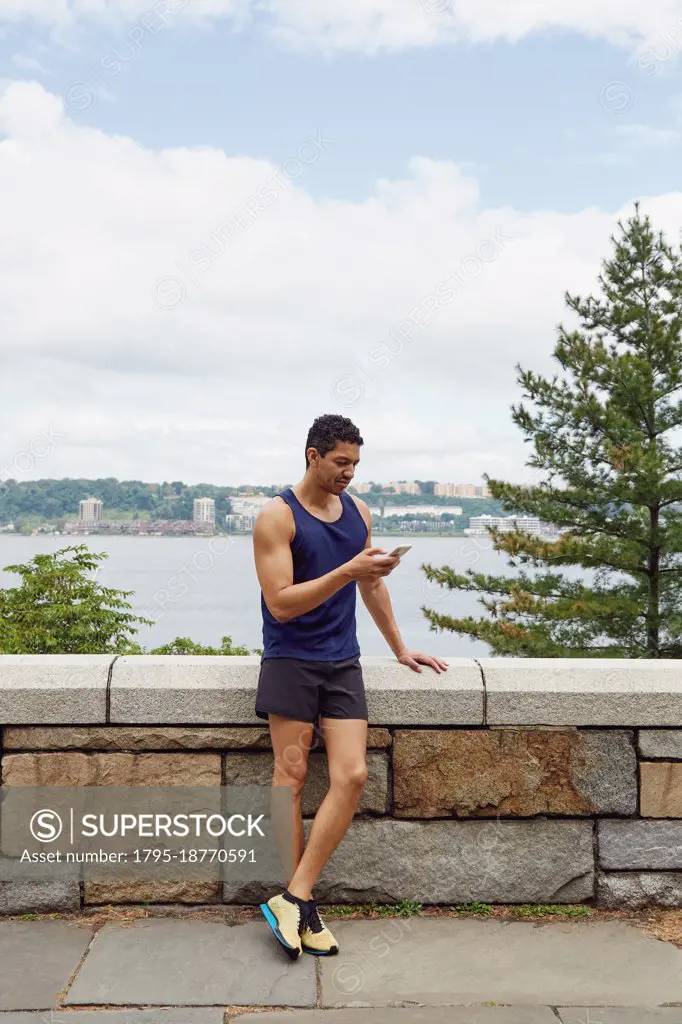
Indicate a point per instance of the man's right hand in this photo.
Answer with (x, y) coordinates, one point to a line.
(367, 566)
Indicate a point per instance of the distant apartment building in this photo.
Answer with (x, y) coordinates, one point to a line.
(421, 510)
(461, 491)
(90, 510)
(203, 510)
(248, 504)
(362, 488)
(427, 526)
(529, 524)
(238, 523)
(404, 486)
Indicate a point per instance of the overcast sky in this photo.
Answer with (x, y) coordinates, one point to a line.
(222, 218)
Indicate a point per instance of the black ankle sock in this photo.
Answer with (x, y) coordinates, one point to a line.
(294, 899)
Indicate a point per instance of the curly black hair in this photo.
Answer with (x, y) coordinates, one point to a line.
(327, 430)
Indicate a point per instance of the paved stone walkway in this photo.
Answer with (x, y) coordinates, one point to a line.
(389, 971)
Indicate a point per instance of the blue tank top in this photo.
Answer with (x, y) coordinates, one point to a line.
(328, 632)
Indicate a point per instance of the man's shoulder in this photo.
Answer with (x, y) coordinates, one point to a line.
(275, 519)
(275, 509)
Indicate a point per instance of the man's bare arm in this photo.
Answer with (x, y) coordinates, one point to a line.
(375, 595)
(272, 535)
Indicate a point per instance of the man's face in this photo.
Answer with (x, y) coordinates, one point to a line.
(336, 470)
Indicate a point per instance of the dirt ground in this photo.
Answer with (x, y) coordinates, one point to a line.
(660, 923)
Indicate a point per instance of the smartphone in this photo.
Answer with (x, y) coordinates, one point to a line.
(396, 553)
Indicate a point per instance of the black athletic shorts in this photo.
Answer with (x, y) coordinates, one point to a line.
(308, 690)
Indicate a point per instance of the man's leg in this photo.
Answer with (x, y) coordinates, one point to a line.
(346, 744)
(291, 743)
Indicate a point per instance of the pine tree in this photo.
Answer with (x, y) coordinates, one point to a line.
(605, 434)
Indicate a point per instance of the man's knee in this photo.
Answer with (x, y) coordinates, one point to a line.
(350, 776)
(293, 775)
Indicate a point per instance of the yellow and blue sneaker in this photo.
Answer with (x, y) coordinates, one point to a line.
(315, 936)
(284, 913)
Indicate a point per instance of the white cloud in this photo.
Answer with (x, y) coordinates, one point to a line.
(27, 63)
(398, 24)
(391, 24)
(647, 136)
(285, 324)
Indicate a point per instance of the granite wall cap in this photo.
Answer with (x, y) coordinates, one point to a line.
(42, 689)
(397, 695)
(194, 688)
(582, 691)
(166, 689)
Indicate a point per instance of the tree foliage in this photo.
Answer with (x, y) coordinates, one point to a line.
(59, 608)
(605, 434)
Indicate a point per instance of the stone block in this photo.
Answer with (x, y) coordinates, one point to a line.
(482, 773)
(636, 890)
(665, 743)
(197, 689)
(256, 770)
(444, 862)
(168, 737)
(378, 738)
(192, 689)
(398, 696)
(21, 897)
(79, 769)
(46, 688)
(582, 691)
(661, 789)
(640, 845)
(132, 737)
(148, 891)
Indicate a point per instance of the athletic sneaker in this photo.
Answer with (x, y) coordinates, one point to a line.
(315, 936)
(285, 915)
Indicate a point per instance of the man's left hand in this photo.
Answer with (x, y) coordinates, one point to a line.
(414, 659)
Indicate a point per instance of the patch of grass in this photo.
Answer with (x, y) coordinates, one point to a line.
(475, 907)
(538, 909)
(28, 917)
(404, 908)
(346, 909)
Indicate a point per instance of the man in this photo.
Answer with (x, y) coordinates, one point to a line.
(312, 545)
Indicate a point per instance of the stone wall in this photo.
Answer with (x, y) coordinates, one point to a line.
(502, 780)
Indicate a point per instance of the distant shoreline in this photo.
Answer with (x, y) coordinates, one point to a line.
(195, 536)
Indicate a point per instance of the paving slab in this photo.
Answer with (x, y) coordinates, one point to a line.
(37, 958)
(619, 1015)
(414, 1015)
(447, 961)
(175, 1015)
(191, 963)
